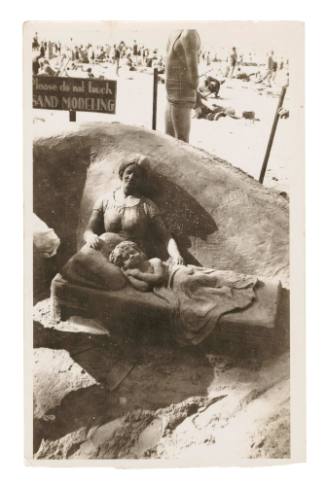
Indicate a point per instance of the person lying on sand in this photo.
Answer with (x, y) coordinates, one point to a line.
(46, 69)
(210, 111)
(210, 85)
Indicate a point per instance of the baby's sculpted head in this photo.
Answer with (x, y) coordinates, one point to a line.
(127, 255)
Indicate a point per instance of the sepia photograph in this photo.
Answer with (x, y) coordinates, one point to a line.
(161, 161)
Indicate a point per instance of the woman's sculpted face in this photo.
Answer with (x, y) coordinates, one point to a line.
(131, 179)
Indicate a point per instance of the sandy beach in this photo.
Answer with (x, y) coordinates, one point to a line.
(226, 138)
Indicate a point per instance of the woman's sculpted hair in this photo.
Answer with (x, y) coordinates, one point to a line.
(139, 160)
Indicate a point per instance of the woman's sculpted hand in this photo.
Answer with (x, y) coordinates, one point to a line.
(178, 260)
(94, 241)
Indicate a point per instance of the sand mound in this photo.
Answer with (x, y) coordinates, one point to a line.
(173, 403)
(219, 215)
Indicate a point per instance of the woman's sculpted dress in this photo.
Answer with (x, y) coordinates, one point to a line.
(130, 217)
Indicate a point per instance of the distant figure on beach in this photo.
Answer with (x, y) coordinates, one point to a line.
(233, 62)
(45, 69)
(135, 51)
(35, 43)
(90, 73)
(270, 68)
(42, 49)
(183, 52)
(270, 75)
(35, 63)
(117, 58)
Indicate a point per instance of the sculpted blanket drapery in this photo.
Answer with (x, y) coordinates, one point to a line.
(200, 296)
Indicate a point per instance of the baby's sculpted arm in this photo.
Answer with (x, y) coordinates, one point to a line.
(137, 284)
(153, 278)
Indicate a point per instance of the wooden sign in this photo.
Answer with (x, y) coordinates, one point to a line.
(74, 94)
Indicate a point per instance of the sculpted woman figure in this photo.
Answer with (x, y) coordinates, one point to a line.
(128, 213)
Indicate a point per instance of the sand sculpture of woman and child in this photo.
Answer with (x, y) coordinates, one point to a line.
(114, 257)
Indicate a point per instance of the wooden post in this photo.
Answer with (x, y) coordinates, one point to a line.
(155, 96)
(72, 116)
(272, 135)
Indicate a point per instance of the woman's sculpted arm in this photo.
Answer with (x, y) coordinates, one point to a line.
(95, 226)
(168, 240)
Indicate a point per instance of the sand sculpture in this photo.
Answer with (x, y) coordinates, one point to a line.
(219, 215)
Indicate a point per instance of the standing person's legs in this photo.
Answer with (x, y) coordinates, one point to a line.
(169, 127)
(178, 122)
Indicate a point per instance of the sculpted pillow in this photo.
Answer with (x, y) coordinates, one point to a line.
(91, 268)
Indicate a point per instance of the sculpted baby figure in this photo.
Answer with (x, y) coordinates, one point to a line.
(143, 274)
